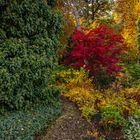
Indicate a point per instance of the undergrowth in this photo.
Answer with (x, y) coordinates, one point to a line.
(25, 125)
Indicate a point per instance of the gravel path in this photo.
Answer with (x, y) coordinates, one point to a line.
(69, 126)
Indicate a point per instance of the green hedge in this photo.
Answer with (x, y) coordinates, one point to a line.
(29, 40)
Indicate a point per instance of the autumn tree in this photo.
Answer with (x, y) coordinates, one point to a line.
(127, 16)
(73, 8)
(97, 9)
(138, 37)
(88, 9)
(98, 51)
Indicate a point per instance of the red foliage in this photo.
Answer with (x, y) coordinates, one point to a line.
(96, 51)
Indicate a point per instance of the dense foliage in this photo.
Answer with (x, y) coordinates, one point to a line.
(101, 74)
(97, 51)
(138, 36)
(97, 8)
(52, 2)
(76, 86)
(29, 33)
(127, 15)
(132, 128)
(25, 125)
(110, 108)
(132, 75)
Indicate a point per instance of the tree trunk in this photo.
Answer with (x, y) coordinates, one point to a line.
(76, 14)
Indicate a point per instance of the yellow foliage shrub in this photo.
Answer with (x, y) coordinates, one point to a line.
(87, 111)
(133, 93)
(84, 99)
(79, 89)
(81, 96)
(126, 99)
(73, 78)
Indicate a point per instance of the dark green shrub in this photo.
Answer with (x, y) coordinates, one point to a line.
(103, 82)
(52, 2)
(132, 72)
(29, 40)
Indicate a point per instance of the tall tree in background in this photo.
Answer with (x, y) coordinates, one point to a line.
(138, 38)
(127, 17)
(97, 9)
(73, 8)
(88, 9)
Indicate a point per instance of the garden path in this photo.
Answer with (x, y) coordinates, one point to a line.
(69, 126)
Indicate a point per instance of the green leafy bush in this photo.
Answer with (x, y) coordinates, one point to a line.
(111, 116)
(25, 125)
(132, 128)
(29, 40)
(132, 75)
(134, 70)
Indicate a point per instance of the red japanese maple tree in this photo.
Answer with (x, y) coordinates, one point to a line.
(97, 50)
